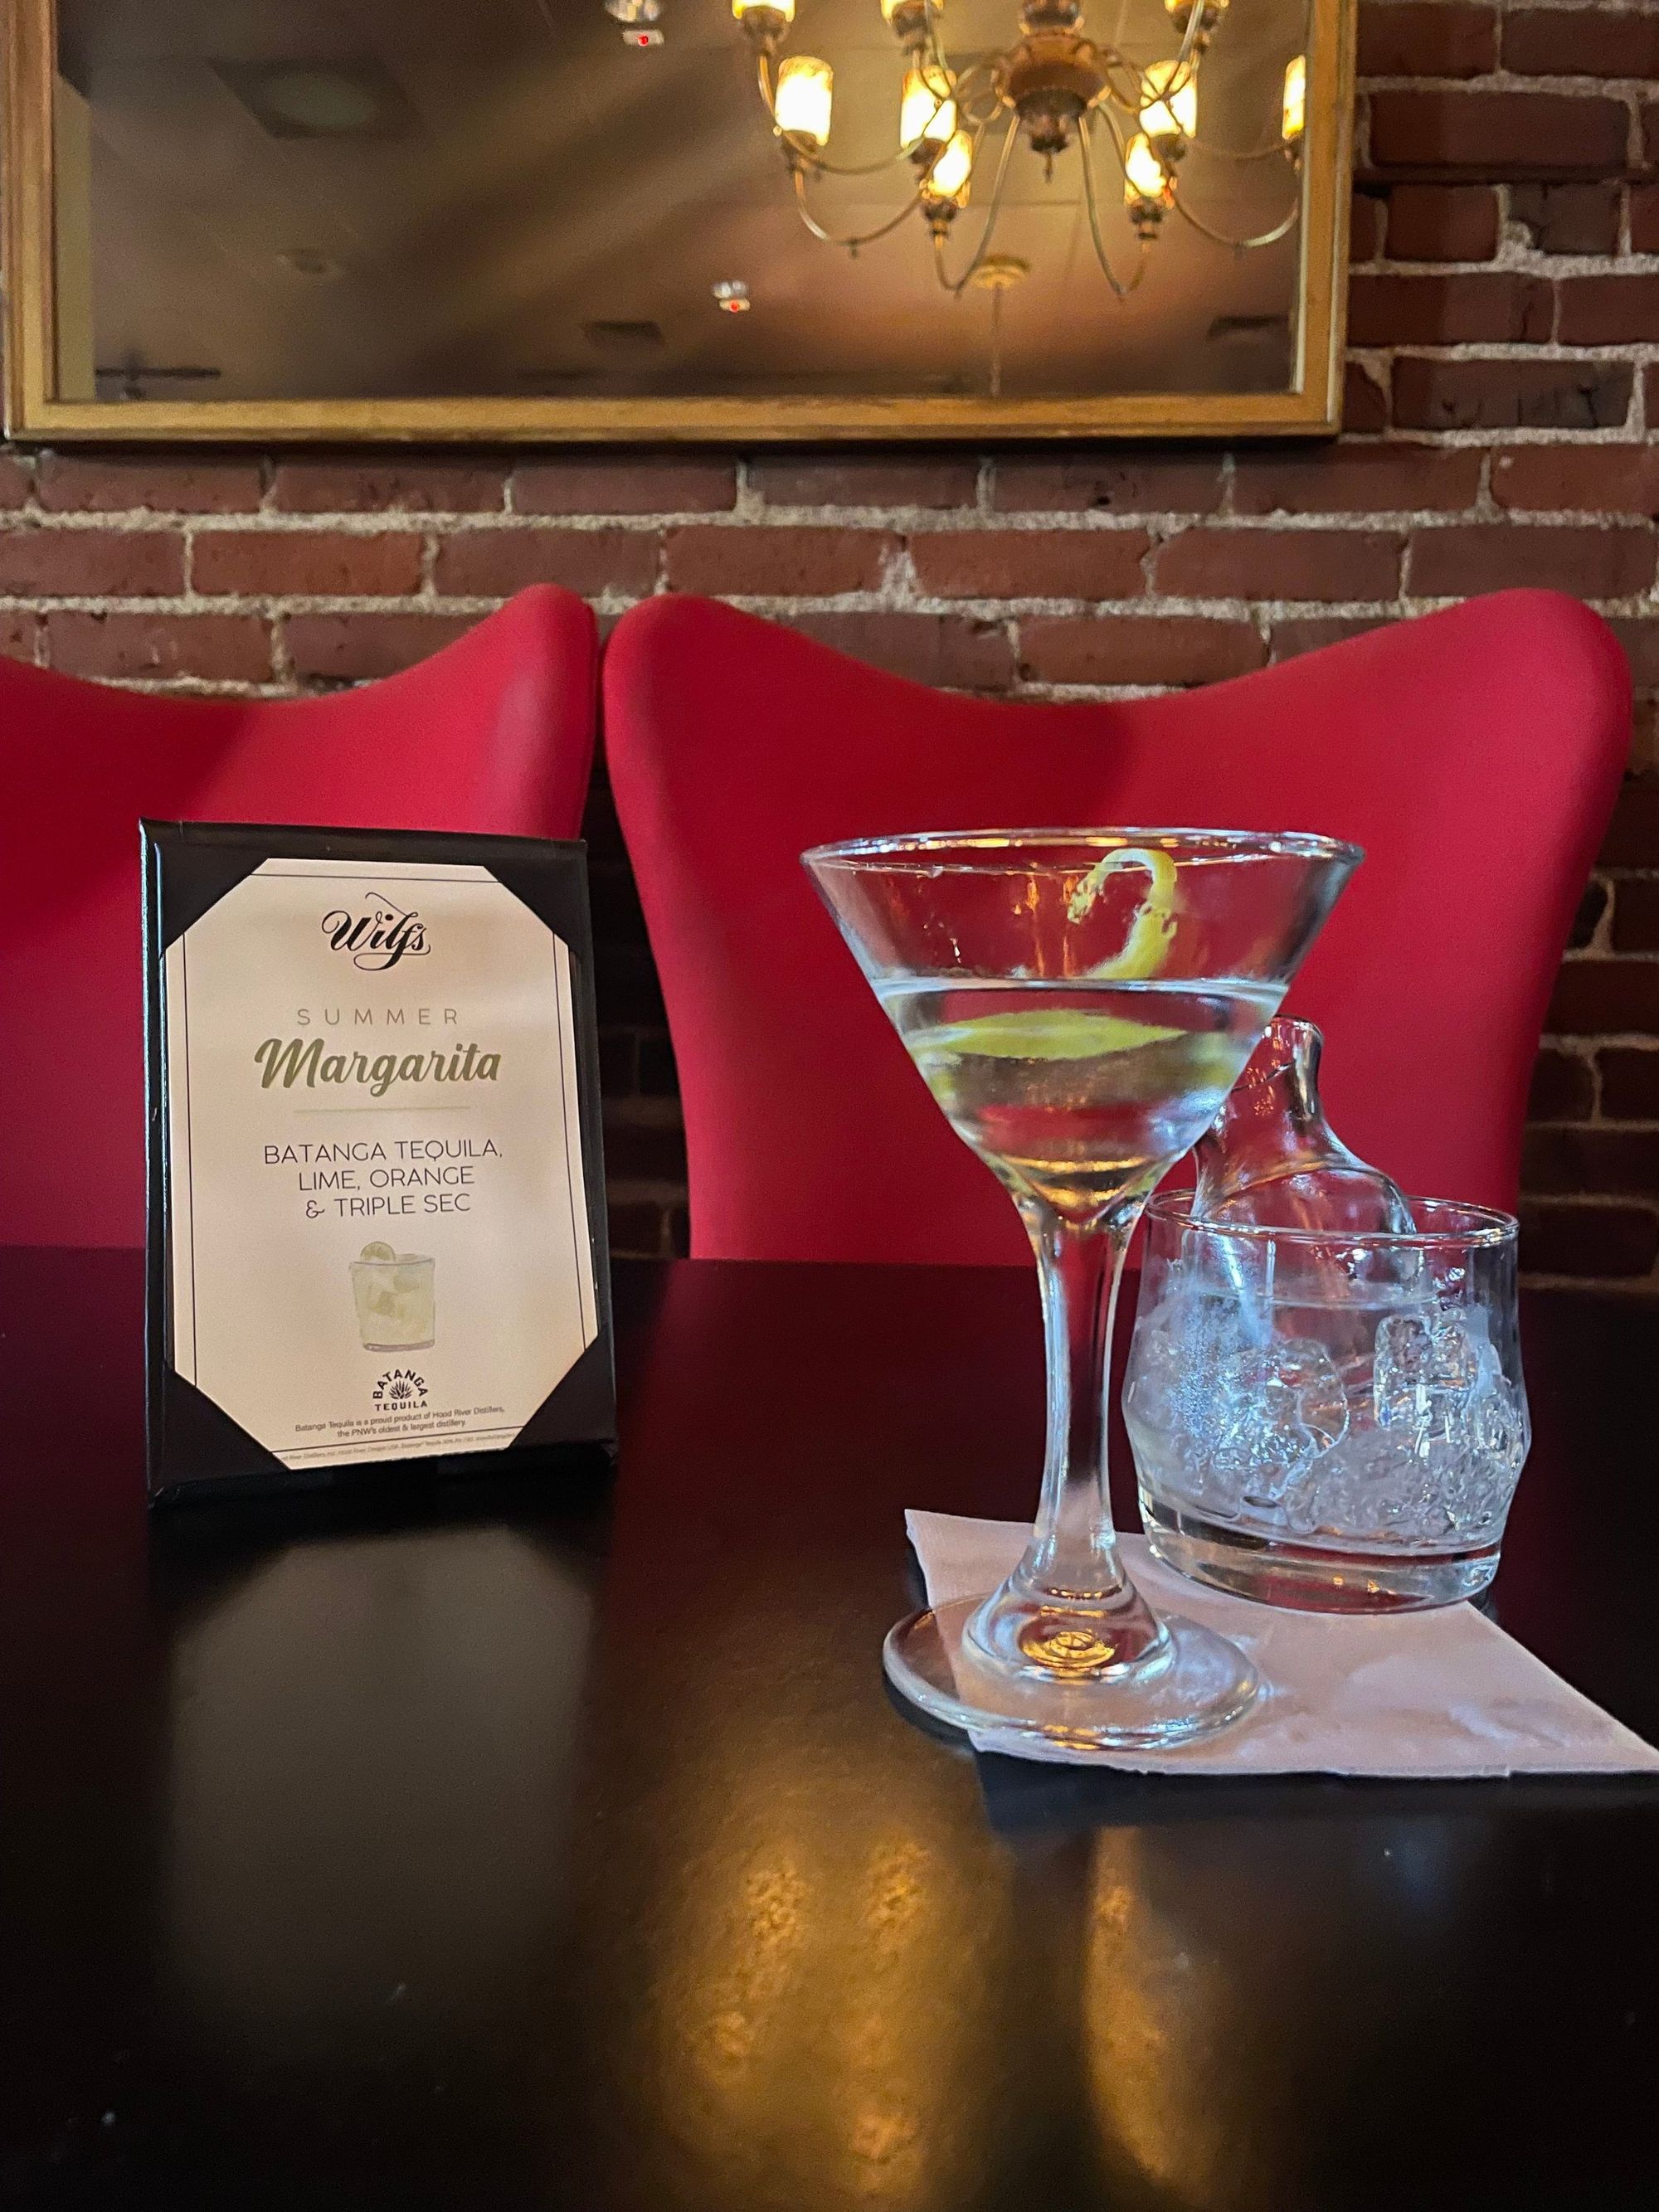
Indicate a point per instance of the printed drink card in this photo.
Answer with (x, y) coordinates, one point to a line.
(377, 1221)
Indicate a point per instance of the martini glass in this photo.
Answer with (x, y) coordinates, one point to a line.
(1080, 1003)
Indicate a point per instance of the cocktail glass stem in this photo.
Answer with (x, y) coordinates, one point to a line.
(1067, 1611)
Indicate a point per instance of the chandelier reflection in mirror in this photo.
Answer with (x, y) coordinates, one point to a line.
(1060, 90)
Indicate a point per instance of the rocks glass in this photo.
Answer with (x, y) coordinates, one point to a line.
(393, 1292)
(1324, 1420)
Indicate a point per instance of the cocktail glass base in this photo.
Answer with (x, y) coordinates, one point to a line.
(1195, 1682)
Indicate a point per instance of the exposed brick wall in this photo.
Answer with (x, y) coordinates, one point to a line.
(1504, 370)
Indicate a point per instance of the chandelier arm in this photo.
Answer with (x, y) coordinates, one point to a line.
(960, 93)
(1232, 152)
(939, 229)
(802, 154)
(975, 70)
(1124, 88)
(863, 238)
(1187, 59)
(1238, 245)
(1184, 72)
(1122, 286)
(966, 106)
(1119, 146)
(1188, 47)
(991, 215)
(1178, 82)
(807, 156)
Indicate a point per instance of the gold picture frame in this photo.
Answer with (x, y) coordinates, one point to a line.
(35, 413)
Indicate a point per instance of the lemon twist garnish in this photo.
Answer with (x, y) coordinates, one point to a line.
(1154, 925)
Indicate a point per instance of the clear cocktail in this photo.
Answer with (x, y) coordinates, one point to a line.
(1074, 1090)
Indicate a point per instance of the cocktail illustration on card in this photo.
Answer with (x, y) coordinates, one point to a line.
(396, 1299)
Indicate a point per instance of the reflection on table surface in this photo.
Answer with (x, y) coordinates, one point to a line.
(385, 1718)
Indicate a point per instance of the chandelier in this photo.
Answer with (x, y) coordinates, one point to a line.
(1058, 90)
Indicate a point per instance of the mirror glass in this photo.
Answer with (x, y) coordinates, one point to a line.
(262, 200)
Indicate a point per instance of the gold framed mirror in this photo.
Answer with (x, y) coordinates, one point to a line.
(615, 220)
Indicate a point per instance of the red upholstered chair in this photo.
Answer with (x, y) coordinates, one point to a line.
(494, 733)
(1475, 754)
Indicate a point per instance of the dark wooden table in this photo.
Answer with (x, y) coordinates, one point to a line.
(496, 1850)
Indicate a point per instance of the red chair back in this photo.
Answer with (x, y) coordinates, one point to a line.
(495, 733)
(1475, 754)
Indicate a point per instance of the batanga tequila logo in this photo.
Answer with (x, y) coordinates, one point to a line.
(400, 1390)
(378, 936)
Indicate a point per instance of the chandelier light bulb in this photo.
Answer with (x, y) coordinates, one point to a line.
(1144, 180)
(784, 7)
(805, 95)
(1296, 98)
(1168, 118)
(952, 175)
(927, 114)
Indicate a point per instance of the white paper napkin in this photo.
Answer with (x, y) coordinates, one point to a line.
(1442, 1693)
